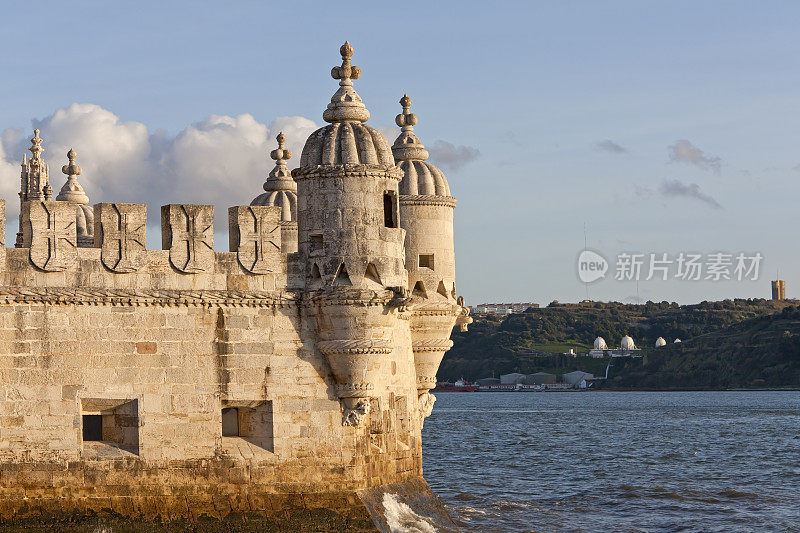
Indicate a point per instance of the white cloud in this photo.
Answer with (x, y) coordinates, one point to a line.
(451, 157)
(220, 160)
(685, 152)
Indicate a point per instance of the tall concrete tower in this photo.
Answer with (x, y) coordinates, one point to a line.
(351, 250)
(779, 289)
(426, 213)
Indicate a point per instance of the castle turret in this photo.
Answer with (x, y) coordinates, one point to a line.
(34, 178)
(73, 193)
(281, 191)
(426, 213)
(351, 246)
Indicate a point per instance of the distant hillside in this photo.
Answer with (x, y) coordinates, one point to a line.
(759, 352)
(497, 345)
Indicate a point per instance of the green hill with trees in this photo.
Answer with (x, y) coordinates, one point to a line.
(731, 343)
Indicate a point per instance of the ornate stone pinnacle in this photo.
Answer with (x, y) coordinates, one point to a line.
(346, 72)
(280, 178)
(406, 120)
(72, 169)
(36, 145)
(346, 104)
(281, 154)
(407, 146)
(72, 190)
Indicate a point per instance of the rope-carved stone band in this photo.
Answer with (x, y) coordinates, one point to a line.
(427, 199)
(160, 297)
(348, 171)
(357, 347)
(432, 345)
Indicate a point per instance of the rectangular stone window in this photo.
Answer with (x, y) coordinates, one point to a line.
(426, 261)
(316, 244)
(230, 422)
(110, 425)
(92, 428)
(390, 209)
(248, 423)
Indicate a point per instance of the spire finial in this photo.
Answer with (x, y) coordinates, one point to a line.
(406, 120)
(36, 145)
(345, 104)
(72, 190)
(280, 178)
(407, 146)
(281, 155)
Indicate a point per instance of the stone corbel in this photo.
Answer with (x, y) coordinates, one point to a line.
(355, 411)
(463, 320)
(426, 401)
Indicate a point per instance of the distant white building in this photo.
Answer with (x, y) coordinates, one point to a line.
(578, 378)
(512, 379)
(660, 342)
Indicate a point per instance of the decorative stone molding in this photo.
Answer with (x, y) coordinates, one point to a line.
(255, 236)
(355, 346)
(428, 199)
(120, 233)
(432, 345)
(348, 171)
(426, 401)
(49, 230)
(164, 298)
(2, 232)
(187, 231)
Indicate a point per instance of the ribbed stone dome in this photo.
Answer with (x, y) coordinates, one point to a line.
(419, 176)
(73, 192)
(84, 224)
(346, 140)
(346, 143)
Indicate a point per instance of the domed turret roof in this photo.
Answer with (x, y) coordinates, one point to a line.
(73, 192)
(600, 344)
(627, 343)
(660, 342)
(419, 176)
(346, 140)
(281, 189)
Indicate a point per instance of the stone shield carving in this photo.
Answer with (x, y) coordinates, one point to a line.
(256, 237)
(122, 235)
(52, 234)
(188, 233)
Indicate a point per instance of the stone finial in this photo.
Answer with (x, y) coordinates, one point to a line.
(407, 146)
(280, 178)
(346, 104)
(72, 190)
(36, 146)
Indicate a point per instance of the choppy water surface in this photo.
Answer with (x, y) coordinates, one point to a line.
(617, 461)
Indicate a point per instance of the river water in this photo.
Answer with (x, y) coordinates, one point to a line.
(617, 461)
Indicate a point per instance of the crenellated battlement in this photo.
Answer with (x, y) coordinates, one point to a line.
(49, 255)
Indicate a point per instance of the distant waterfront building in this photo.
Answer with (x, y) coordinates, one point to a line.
(779, 289)
(627, 343)
(677, 341)
(488, 381)
(660, 342)
(578, 378)
(600, 344)
(503, 308)
(512, 379)
(539, 378)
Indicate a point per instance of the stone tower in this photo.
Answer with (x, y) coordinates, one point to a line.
(426, 213)
(34, 178)
(351, 246)
(281, 191)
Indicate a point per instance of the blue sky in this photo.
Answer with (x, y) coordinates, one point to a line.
(544, 91)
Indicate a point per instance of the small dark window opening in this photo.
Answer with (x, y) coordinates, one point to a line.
(92, 428)
(316, 243)
(426, 261)
(230, 422)
(390, 209)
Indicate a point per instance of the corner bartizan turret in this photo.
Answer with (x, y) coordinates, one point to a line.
(426, 213)
(34, 178)
(281, 190)
(73, 193)
(351, 246)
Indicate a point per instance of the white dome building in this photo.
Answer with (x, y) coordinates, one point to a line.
(627, 343)
(660, 342)
(600, 344)
(677, 341)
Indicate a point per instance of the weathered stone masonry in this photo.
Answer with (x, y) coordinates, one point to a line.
(291, 371)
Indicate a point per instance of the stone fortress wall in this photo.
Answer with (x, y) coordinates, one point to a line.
(291, 372)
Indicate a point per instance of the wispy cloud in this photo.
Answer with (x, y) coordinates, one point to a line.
(450, 157)
(607, 145)
(685, 152)
(678, 189)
